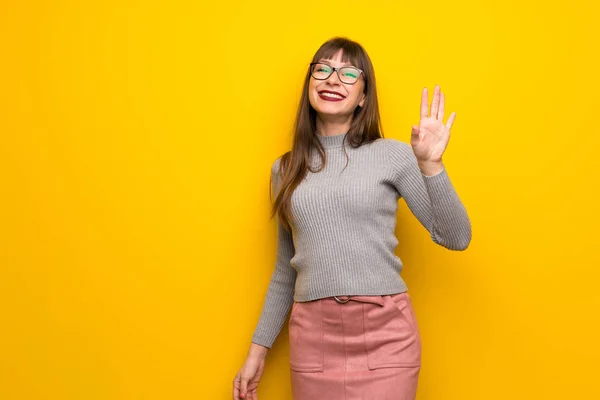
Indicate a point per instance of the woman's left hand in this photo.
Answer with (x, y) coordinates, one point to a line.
(430, 139)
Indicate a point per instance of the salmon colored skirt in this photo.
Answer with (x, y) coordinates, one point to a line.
(364, 348)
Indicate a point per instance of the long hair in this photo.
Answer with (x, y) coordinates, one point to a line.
(365, 126)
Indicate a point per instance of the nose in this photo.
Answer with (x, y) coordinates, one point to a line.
(333, 78)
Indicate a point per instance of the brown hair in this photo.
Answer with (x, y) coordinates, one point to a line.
(365, 126)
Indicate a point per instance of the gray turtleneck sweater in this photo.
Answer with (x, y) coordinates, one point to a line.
(343, 229)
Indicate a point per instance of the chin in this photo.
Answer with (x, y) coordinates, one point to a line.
(329, 108)
(325, 111)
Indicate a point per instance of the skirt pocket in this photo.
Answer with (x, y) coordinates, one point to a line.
(392, 336)
(306, 337)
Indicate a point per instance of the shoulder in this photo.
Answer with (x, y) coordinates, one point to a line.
(397, 150)
(400, 156)
(277, 167)
(393, 144)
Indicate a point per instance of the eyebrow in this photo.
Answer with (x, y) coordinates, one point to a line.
(346, 64)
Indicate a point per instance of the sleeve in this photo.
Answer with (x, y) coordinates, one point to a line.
(280, 293)
(432, 199)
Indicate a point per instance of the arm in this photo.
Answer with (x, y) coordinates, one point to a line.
(279, 298)
(432, 199)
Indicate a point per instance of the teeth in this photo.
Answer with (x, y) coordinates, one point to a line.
(335, 96)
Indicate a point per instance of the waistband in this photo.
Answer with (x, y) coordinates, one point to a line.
(374, 299)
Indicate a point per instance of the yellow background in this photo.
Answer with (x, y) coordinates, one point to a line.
(136, 140)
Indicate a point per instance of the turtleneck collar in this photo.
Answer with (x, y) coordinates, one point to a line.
(329, 142)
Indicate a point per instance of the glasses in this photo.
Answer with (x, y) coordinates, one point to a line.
(322, 71)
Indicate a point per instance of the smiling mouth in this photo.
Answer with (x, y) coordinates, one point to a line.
(330, 96)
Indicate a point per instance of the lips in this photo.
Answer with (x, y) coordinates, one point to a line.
(332, 92)
(329, 95)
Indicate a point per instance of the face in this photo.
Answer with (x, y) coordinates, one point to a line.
(351, 95)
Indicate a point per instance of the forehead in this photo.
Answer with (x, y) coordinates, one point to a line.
(335, 63)
(336, 57)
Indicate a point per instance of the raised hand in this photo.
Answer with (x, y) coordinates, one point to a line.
(430, 139)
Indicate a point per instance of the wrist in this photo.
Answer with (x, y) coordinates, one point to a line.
(430, 168)
(257, 350)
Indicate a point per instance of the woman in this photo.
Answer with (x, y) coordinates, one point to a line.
(352, 328)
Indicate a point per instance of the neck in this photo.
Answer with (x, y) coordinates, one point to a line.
(333, 125)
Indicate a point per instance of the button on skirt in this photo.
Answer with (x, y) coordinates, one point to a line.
(368, 348)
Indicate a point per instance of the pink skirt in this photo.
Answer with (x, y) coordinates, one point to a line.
(368, 348)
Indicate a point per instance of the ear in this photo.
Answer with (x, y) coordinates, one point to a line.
(361, 103)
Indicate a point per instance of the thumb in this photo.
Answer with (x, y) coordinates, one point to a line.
(415, 130)
(243, 387)
(414, 135)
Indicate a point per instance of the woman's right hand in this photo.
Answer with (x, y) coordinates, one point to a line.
(246, 381)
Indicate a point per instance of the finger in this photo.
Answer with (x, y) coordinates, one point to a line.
(451, 120)
(236, 390)
(424, 107)
(414, 131)
(441, 110)
(414, 136)
(435, 102)
(244, 388)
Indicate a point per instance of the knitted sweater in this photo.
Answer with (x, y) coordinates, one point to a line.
(343, 227)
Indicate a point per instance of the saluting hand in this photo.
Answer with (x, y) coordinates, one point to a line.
(430, 139)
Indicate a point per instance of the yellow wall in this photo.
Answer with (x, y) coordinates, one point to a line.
(136, 140)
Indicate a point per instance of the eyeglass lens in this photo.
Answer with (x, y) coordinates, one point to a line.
(346, 74)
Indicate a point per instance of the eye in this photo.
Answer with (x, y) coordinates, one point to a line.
(351, 73)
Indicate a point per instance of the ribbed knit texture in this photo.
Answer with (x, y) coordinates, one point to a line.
(343, 229)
